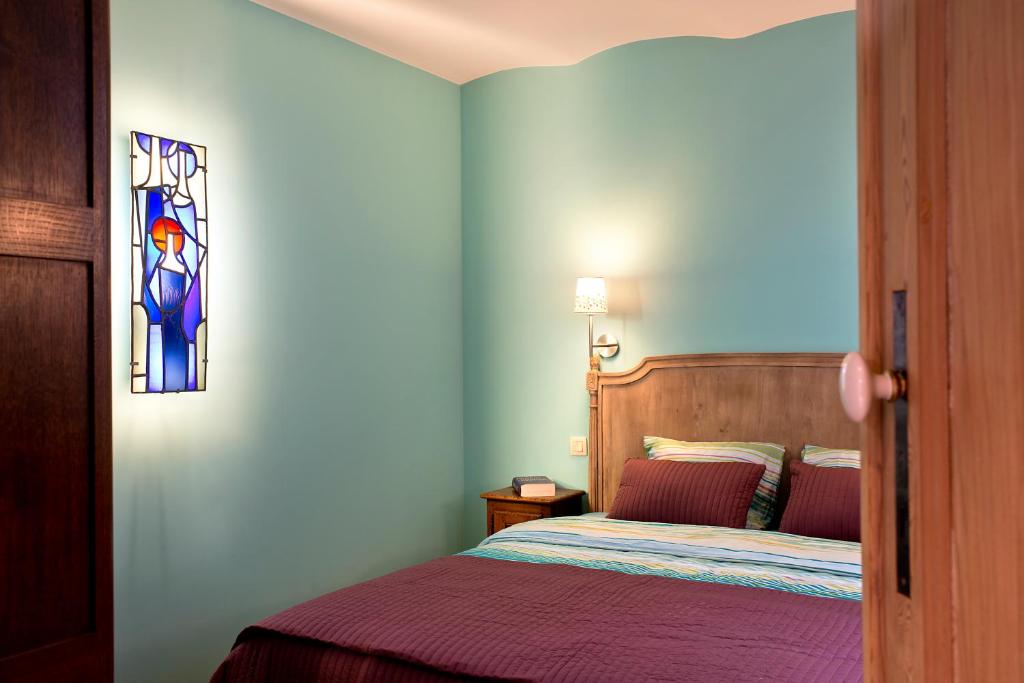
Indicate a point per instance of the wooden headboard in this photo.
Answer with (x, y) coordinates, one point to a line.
(785, 398)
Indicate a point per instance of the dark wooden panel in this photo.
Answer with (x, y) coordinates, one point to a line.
(46, 101)
(55, 485)
(46, 473)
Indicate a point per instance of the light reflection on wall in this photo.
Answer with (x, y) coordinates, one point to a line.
(711, 182)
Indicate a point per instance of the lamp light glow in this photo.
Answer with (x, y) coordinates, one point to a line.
(591, 295)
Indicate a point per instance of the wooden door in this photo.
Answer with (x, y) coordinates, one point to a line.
(986, 309)
(941, 148)
(55, 487)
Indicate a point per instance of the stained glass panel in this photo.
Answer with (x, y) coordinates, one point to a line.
(169, 264)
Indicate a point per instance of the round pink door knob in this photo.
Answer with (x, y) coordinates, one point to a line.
(858, 387)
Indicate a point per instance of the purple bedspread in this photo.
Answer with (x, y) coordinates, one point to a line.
(468, 617)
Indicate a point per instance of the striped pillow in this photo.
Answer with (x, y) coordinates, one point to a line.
(768, 454)
(819, 456)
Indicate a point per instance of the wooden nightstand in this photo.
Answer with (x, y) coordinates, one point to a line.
(505, 508)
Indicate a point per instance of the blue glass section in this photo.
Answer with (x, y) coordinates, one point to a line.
(175, 346)
(154, 210)
(190, 161)
(192, 316)
(186, 215)
(143, 141)
(175, 355)
(152, 307)
(191, 367)
(156, 360)
(172, 291)
(165, 146)
(150, 254)
(148, 299)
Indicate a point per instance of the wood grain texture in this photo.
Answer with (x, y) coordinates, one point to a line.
(903, 244)
(870, 263)
(509, 494)
(986, 96)
(928, 354)
(45, 464)
(45, 101)
(790, 399)
(55, 429)
(897, 194)
(38, 229)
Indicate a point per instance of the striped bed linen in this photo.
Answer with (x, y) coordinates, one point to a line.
(820, 456)
(743, 557)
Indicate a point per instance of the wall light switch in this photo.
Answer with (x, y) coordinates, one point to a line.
(577, 445)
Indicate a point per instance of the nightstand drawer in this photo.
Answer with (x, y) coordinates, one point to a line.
(501, 519)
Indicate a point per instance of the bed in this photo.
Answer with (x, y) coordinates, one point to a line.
(589, 598)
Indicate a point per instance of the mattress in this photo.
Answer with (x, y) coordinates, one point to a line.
(743, 557)
(578, 599)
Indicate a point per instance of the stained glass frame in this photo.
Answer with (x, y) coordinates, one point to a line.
(170, 265)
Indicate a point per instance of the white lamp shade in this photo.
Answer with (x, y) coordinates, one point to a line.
(591, 295)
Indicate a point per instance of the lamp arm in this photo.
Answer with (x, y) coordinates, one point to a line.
(590, 336)
(605, 341)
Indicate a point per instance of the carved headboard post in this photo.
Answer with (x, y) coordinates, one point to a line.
(786, 398)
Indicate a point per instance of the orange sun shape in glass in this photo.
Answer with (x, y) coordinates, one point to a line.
(162, 227)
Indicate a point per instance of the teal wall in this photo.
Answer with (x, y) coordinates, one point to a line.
(712, 181)
(328, 448)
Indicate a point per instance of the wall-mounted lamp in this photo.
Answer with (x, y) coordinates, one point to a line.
(591, 298)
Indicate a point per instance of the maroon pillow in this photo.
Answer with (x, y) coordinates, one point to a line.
(714, 493)
(823, 502)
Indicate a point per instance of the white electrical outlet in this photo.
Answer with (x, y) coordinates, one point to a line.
(577, 445)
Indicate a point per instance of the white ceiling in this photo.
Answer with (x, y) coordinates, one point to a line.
(464, 39)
